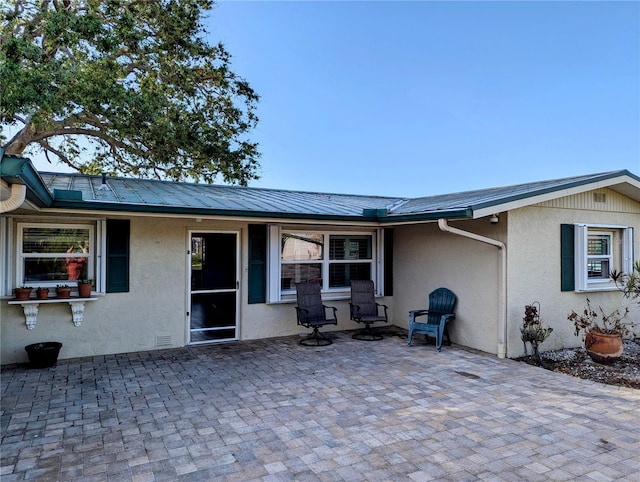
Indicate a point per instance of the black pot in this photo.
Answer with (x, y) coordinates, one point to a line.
(43, 355)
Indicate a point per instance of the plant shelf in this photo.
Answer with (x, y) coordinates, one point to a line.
(32, 307)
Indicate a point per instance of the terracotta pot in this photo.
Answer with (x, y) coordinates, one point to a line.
(42, 294)
(22, 294)
(603, 348)
(84, 290)
(63, 292)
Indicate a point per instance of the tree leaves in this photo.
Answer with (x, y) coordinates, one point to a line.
(135, 78)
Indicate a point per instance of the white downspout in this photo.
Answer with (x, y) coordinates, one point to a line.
(18, 195)
(502, 280)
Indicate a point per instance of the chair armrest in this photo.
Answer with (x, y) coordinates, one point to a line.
(444, 319)
(379, 305)
(413, 314)
(300, 311)
(330, 308)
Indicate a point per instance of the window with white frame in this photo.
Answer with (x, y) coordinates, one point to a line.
(599, 250)
(52, 254)
(329, 258)
(599, 255)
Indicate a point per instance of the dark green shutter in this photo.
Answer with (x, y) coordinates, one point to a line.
(567, 257)
(118, 255)
(388, 262)
(257, 263)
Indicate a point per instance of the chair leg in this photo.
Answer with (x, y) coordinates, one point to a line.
(316, 339)
(367, 334)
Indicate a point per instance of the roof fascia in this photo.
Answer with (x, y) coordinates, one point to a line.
(461, 213)
(621, 178)
(177, 210)
(20, 170)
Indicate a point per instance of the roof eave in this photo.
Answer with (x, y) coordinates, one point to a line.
(19, 170)
(133, 208)
(609, 180)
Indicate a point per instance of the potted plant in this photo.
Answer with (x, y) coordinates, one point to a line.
(43, 355)
(42, 293)
(629, 283)
(532, 331)
(603, 333)
(22, 293)
(63, 291)
(84, 288)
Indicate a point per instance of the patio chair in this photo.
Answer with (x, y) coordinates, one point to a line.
(313, 314)
(364, 309)
(440, 312)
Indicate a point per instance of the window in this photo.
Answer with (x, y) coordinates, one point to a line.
(331, 259)
(599, 258)
(590, 253)
(55, 254)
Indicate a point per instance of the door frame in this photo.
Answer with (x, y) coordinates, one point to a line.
(191, 232)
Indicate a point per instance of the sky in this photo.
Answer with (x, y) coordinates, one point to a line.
(418, 98)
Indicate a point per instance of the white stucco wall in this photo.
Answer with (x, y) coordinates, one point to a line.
(426, 258)
(534, 266)
(156, 304)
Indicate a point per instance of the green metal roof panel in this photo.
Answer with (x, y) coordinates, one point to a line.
(144, 195)
(138, 193)
(483, 198)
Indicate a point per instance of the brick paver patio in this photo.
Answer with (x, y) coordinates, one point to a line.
(273, 410)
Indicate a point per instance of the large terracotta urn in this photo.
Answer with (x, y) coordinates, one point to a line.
(603, 348)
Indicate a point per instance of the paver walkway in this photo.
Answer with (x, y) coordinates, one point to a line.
(273, 410)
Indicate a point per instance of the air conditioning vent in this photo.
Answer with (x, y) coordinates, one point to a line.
(599, 197)
(164, 340)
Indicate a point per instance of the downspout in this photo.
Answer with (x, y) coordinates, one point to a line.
(502, 280)
(18, 195)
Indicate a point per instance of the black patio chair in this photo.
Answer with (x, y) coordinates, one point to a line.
(311, 313)
(364, 309)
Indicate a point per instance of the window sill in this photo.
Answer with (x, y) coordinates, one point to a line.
(31, 308)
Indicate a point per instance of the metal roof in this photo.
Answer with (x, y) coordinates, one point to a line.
(484, 198)
(87, 192)
(146, 194)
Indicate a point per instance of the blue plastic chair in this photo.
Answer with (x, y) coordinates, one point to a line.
(440, 312)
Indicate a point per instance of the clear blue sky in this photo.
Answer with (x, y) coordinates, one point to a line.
(419, 98)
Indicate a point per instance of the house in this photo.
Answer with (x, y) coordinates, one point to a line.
(176, 264)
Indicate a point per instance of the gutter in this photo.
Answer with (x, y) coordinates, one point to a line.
(18, 195)
(502, 279)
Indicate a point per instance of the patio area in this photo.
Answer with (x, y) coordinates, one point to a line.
(273, 410)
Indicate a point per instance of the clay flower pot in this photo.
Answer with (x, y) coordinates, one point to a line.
(63, 292)
(22, 294)
(603, 348)
(84, 290)
(42, 293)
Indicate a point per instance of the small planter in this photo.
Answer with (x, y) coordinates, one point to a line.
(42, 293)
(63, 292)
(84, 290)
(22, 294)
(43, 355)
(603, 348)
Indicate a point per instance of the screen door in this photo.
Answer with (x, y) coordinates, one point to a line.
(214, 287)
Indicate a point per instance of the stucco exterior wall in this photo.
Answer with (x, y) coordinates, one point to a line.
(534, 265)
(152, 315)
(425, 258)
